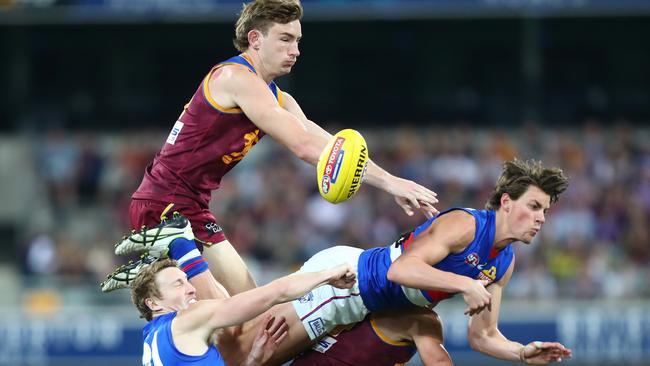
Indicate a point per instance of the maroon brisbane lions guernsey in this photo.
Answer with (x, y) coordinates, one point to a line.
(204, 144)
(362, 345)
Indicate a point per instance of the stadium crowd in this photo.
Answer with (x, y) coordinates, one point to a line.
(593, 245)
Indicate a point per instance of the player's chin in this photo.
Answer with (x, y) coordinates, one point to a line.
(526, 239)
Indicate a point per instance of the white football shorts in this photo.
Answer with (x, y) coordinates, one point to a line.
(325, 307)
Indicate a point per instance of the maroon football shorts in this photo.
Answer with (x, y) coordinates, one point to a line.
(206, 230)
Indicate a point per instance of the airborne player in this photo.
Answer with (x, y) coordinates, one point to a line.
(236, 105)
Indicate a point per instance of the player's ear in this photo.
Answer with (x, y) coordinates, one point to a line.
(506, 202)
(254, 39)
(152, 304)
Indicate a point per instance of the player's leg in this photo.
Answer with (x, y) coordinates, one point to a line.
(421, 326)
(228, 268)
(225, 264)
(162, 233)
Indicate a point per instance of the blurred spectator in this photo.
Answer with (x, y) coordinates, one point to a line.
(594, 244)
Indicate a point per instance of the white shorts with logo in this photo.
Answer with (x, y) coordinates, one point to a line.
(326, 307)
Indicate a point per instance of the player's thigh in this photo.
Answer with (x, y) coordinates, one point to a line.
(228, 267)
(223, 257)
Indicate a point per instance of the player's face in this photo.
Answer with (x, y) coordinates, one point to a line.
(177, 293)
(279, 48)
(528, 213)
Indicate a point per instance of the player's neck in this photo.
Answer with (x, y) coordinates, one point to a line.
(259, 66)
(502, 234)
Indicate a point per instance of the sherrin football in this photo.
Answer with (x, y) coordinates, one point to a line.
(342, 165)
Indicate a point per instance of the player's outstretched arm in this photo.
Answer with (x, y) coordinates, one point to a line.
(208, 315)
(408, 194)
(485, 337)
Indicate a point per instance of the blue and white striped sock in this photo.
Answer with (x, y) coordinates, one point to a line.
(189, 258)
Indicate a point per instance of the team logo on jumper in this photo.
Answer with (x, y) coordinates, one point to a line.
(212, 228)
(317, 326)
(324, 344)
(472, 259)
(306, 298)
(250, 139)
(176, 130)
(488, 274)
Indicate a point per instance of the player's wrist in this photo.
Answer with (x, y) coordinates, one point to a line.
(522, 354)
(465, 284)
(378, 177)
(252, 361)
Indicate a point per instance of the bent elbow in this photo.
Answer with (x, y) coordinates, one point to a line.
(474, 344)
(393, 273)
(475, 340)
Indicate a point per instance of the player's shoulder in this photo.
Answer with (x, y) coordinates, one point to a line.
(459, 221)
(288, 97)
(233, 74)
(457, 227)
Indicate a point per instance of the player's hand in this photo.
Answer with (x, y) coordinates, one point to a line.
(541, 353)
(411, 196)
(267, 340)
(477, 297)
(342, 276)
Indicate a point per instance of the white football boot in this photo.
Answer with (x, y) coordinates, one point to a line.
(156, 240)
(125, 274)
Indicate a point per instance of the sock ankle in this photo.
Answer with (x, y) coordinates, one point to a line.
(189, 258)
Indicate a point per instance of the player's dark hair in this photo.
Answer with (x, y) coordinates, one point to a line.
(144, 286)
(261, 14)
(518, 175)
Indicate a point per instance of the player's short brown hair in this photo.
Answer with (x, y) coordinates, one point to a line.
(144, 286)
(518, 175)
(261, 14)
